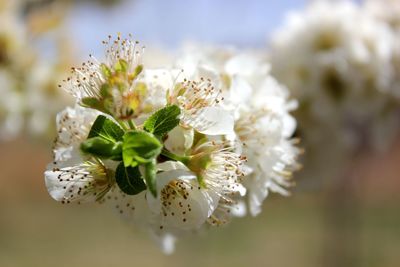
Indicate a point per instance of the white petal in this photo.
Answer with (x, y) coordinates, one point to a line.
(214, 121)
(133, 209)
(179, 140)
(289, 126)
(246, 65)
(171, 165)
(72, 184)
(256, 198)
(181, 202)
(163, 179)
(239, 210)
(73, 125)
(240, 189)
(240, 92)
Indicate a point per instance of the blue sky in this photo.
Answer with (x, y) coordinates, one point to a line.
(168, 23)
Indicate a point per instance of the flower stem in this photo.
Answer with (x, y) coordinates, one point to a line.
(170, 155)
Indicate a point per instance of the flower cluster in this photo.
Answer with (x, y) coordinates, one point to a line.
(260, 109)
(173, 150)
(342, 74)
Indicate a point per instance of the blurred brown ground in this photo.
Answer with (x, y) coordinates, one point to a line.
(37, 231)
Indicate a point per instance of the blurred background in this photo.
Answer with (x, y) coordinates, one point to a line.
(354, 222)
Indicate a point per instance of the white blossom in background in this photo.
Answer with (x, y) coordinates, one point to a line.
(11, 44)
(28, 83)
(385, 10)
(336, 59)
(388, 12)
(175, 149)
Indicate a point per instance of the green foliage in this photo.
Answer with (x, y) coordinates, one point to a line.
(108, 140)
(129, 179)
(142, 148)
(139, 148)
(102, 148)
(104, 139)
(163, 120)
(106, 128)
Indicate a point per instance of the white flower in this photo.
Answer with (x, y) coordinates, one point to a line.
(265, 127)
(388, 12)
(219, 166)
(340, 71)
(86, 182)
(182, 204)
(271, 155)
(385, 10)
(223, 174)
(12, 64)
(201, 193)
(111, 87)
(11, 107)
(201, 109)
(72, 177)
(260, 107)
(200, 101)
(180, 207)
(73, 126)
(385, 127)
(87, 80)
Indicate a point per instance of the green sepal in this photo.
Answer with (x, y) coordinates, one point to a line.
(129, 180)
(105, 90)
(105, 70)
(121, 66)
(136, 72)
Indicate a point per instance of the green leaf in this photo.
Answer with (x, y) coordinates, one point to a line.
(150, 177)
(106, 129)
(129, 180)
(102, 148)
(139, 148)
(163, 120)
(104, 139)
